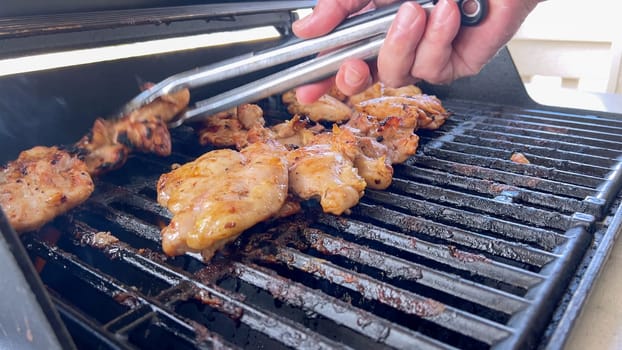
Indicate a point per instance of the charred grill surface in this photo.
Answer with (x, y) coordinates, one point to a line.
(466, 249)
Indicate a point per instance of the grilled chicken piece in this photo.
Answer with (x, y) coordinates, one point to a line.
(421, 111)
(372, 163)
(231, 127)
(325, 169)
(109, 142)
(326, 108)
(379, 90)
(221, 194)
(42, 183)
(296, 132)
(395, 133)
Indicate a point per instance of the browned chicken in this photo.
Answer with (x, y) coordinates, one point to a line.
(208, 196)
(231, 127)
(108, 144)
(221, 194)
(381, 144)
(40, 184)
(372, 163)
(519, 158)
(324, 169)
(326, 108)
(295, 132)
(379, 90)
(420, 111)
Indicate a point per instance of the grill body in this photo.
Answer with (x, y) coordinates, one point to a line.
(466, 249)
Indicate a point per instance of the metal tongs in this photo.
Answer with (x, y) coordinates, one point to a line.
(358, 37)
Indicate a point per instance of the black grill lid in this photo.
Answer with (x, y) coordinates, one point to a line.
(50, 27)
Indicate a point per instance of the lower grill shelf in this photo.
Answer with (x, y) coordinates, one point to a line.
(466, 249)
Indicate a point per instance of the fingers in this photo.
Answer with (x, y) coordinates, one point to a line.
(307, 94)
(434, 52)
(353, 77)
(397, 56)
(326, 15)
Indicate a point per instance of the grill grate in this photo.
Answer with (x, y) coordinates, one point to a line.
(466, 249)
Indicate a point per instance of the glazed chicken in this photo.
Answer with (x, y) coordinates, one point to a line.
(232, 127)
(334, 166)
(420, 111)
(40, 184)
(44, 182)
(326, 108)
(324, 169)
(110, 141)
(221, 194)
(380, 90)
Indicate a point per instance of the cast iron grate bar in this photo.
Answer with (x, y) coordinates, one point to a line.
(342, 313)
(271, 325)
(91, 334)
(397, 268)
(502, 176)
(375, 206)
(110, 287)
(573, 147)
(587, 131)
(487, 187)
(547, 135)
(525, 214)
(539, 172)
(530, 149)
(410, 303)
(495, 151)
(451, 257)
(564, 123)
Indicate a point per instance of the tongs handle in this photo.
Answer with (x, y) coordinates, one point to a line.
(312, 70)
(352, 30)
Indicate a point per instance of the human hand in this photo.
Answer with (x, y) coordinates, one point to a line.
(433, 48)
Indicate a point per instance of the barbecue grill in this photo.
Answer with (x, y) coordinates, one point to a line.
(466, 249)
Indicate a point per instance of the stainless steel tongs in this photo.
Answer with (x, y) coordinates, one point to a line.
(358, 37)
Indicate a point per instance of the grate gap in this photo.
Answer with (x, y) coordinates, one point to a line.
(235, 332)
(68, 288)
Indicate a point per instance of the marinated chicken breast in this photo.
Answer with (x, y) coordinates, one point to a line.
(42, 183)
(379, 90)
(421, 111)
(221, 194)
(372, 163)
(326, 108)
(324, 169)
(296, 132)
(145, 130)
(231, 127)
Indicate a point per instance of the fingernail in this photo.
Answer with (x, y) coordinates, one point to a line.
(443, 10)
(353, 78)
(405, 19)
